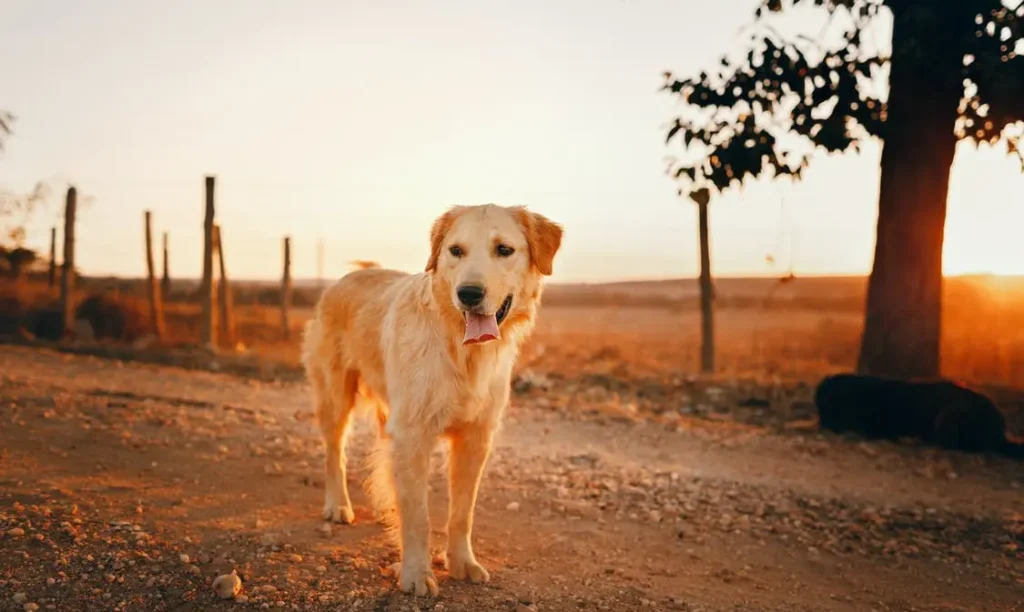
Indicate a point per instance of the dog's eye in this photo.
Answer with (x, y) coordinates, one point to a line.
(503, 250)
(455, 250)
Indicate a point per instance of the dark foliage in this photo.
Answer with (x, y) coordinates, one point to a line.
(789, 95)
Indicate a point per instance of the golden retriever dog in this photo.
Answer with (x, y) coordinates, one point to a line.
(432, 353)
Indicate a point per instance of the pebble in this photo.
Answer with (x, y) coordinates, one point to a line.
(30, 607)
(513, 507)
(227, 586)
(17, 532)
(19, 598)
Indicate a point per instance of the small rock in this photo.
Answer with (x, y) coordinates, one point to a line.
(19, 598)
(227, 586)
(325, 530)
(30, 607)
(513, 507)
(17, 532)
(185, 558)
(295, 558)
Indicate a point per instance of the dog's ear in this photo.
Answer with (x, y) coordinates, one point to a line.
(544, 237)
(437, 233)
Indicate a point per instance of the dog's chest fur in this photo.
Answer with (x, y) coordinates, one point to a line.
(485, 374)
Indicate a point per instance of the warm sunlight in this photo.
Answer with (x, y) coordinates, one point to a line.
(986, 214)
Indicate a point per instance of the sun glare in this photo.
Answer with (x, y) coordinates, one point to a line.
(986, 215)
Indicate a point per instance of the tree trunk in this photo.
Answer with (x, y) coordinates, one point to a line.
(207, 328)
(902, 327)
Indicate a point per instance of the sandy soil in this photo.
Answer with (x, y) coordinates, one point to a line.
(132, 486)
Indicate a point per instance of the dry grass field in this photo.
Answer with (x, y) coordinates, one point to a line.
(795, 331)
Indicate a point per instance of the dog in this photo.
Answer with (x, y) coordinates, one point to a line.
(938, 412)
(432, 354)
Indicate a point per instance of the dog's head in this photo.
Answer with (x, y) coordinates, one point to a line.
(487, 261)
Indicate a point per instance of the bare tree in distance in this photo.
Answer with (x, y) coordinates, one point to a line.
(950, 73)
(6, 120)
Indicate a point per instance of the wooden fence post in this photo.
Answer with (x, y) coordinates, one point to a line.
(207, 328)
(165, 282)
(286, 287)
(67, 276)
(156, 308)
(227, 323)
(52, 278)
(707, 335)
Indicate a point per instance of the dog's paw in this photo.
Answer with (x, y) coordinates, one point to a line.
(417, 581)
(339, 514)
(467, 568)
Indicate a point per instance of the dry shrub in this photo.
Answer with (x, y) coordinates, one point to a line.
(46, 321)
(114, 317)
(27, 307)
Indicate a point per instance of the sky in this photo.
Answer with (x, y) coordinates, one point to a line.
(356, 123)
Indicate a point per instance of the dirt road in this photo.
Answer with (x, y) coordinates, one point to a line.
(130, 486)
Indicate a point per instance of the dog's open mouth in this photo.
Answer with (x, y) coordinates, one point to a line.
(482, 327)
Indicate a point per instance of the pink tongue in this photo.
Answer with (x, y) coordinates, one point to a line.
(480, 328)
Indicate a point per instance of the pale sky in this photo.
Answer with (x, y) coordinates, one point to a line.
(357, 123)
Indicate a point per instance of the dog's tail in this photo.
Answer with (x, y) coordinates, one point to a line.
(310, 341)
(362, 264)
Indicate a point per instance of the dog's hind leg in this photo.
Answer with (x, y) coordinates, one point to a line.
(335, 399)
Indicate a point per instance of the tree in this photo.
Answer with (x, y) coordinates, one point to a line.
(951, 72)
(6, 119)
(17, 260)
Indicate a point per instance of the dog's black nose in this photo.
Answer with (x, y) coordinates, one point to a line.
(470, 295)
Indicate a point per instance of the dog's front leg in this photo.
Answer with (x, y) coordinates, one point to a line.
(470, 447)
(411, 469)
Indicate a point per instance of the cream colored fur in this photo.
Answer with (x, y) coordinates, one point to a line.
(393, 341)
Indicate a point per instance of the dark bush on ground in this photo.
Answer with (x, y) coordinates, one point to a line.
(12, 312)
(114, 318)
(45, 322)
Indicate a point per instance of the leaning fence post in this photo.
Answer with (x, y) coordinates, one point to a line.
(156, 309)
(227, 323)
